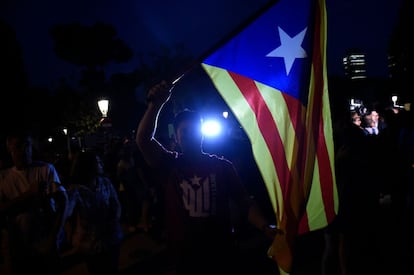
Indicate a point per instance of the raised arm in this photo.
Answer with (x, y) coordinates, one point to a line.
(151, 149)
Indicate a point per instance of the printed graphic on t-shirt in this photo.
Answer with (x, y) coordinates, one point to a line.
(199, 195)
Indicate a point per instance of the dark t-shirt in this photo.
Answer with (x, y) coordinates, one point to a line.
(198, 197)
(201, 197)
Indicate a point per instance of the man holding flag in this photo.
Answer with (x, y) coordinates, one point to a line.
(202, 192)
(272, 75)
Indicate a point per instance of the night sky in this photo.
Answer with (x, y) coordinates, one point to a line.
(146, 26)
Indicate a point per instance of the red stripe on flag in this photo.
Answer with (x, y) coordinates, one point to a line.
(325, 169)
(271, 135)
(295, 111)
(275, 145)
(266, 125)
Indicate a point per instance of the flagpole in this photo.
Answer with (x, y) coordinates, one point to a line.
(222, 41)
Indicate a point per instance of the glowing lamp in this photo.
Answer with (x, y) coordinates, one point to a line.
(394, 99)
(103, 105)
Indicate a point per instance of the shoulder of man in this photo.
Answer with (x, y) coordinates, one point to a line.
(220, 161)
(39, 164)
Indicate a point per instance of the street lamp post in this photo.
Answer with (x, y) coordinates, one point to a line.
(394, 99)
(105, 122)
(66, 132)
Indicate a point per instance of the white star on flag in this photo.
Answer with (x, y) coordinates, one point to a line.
(290, 48)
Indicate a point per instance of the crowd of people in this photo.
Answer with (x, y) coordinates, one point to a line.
(82, 207)
(374, 172)
(43, 216)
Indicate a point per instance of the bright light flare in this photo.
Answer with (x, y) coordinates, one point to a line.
(211, 128)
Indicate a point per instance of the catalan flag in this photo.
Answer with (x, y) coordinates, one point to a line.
(273, 77)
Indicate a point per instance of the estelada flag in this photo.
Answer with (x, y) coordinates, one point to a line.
(273, 77)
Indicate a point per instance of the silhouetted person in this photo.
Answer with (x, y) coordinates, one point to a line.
(350, 240)
(33, 203)
(97, 232)
(136, 188)
(199, 189)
